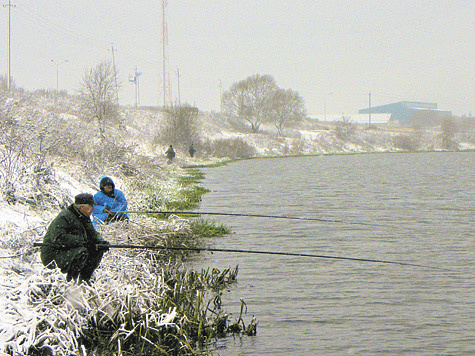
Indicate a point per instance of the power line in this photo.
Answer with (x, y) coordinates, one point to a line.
(61, 31)
(58, 29)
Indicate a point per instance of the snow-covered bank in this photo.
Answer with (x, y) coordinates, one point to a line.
(42, 313)
(313, 138)
(69, 155)
(40, 310)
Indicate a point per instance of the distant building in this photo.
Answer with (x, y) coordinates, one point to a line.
(404, 112)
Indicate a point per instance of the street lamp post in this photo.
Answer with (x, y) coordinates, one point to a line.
(57, 72)
(325, 106)
(134, 79)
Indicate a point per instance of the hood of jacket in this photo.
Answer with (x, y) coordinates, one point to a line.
(106, 181)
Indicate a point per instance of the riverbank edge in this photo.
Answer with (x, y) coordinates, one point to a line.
(232, 160)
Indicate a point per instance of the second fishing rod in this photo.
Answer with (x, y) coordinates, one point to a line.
(241, 251)
(198, 213)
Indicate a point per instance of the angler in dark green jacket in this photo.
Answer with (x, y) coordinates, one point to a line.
(71, 242)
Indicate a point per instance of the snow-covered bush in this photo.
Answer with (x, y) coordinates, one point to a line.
(227, 147)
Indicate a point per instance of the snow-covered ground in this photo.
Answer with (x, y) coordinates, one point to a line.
(22, 223)
(26, 285)
(21, 270)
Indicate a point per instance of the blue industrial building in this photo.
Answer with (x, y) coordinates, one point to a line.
(403, 111)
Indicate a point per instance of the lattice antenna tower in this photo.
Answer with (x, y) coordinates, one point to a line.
(165, 85)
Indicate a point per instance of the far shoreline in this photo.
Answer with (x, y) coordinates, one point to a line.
(232, 160)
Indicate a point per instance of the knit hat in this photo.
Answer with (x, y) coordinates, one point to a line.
(84, 198)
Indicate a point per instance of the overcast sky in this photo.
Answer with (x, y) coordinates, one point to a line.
(332, 52)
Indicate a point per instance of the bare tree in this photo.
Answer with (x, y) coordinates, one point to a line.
(344, 129)
(98, 94)
(287, 106)
(181, 126)
(449, 129)
(249, 100)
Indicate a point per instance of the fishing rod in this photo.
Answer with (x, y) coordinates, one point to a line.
(252, 215)
(201, 249)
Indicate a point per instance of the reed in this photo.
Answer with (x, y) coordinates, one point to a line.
(180, 190)
(155, 311)
(208, 228)
(191, 176)
(139, 303)
(186, 198)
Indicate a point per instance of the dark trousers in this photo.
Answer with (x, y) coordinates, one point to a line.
(84, 265)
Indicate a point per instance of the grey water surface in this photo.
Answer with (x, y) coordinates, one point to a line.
(417, 208)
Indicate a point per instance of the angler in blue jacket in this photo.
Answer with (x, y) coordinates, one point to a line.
(109, 202)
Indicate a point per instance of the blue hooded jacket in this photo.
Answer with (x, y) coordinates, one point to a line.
(114, 201)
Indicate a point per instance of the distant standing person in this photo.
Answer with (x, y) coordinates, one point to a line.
(71, 243)
(110, 203)
(170, 154)
(191, 150)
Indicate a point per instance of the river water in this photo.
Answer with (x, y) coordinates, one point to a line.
(416, 208)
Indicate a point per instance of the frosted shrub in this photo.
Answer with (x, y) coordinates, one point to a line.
(406, 142)
(231, 147)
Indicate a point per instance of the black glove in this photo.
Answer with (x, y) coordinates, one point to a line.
(90, 246)
(103, 246)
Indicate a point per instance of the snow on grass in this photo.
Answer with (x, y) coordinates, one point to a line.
(24, 281)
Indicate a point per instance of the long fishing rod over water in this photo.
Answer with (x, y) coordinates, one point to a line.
(254, 216)
(201, 249)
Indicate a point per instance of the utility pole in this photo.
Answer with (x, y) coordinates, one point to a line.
(115, 74)
(57, 72)
(166, 76)
(369, 110)
(220, 96)
(9, 79)
(178, 79)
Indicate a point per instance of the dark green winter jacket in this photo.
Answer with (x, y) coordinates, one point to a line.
(68, 235)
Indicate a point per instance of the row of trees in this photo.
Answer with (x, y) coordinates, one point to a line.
(254, 100)
(258, 99)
